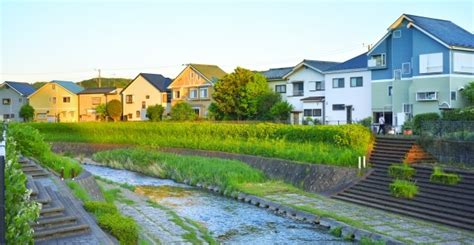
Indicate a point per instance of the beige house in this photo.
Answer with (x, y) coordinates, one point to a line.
(90, 98)
(194, 86)
(56, 101)
(145, 90)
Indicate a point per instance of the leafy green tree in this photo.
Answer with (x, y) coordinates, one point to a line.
(265, 102)
(281, 111)
(27, 112)
(114, 109)
(236, 94)
(182, 111)
(214, 112)
(101, 111)
(468, 92)
(155, 112)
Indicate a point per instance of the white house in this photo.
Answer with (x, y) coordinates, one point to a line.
(348, 91)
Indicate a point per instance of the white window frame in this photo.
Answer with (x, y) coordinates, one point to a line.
(201, 95)
(406, 68)
(356, 86)
(397, 74)
(338, 79)
(435, 98)
(372, 62)
(410, 106)
(193, 93)
(431, 63)
(390, 90)
(463, 62)
(397, 34)
(280, 86)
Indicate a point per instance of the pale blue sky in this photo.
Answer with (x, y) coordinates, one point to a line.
(67, 40)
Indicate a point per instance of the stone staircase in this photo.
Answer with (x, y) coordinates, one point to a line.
(446, 204)
(57, 218)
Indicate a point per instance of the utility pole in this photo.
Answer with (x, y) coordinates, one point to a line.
(99, 82)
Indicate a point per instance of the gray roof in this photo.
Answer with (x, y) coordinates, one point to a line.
(320, 64)
(157, 80)
(25, 89)
(358, 62)
(276, 73)
(106, 90)
(71, 86)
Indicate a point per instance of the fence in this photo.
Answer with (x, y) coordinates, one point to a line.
(448, 130)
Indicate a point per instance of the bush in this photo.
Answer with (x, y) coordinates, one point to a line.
(403, 189)
(101, 111)
(468, 93)
(114, 109)
(337, 231)
(27, 112)
(155, 112)
(182, 111)
(99, 208)
(465, 114)
(366, 122)
(281, 111)
(424, 117)
(401, 171)
(265, 103)
(439, 176)
(123, 228)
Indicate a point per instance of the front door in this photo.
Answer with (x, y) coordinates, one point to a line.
(349, 114)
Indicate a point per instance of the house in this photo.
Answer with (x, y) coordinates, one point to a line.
(14, 95)
(348, 91)
(420, 66)
(305, 87)
(90, 98)
(56, 101)
(146, 89)
(275, 80)
(194, 86)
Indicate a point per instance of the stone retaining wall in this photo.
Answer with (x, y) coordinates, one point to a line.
(87, 181)
(450, 151)
(315, 178)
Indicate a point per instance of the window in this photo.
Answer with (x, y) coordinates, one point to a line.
(20, 100)
(176, 94)
(280, 89)
(377, 60)
(431, 63)
(137, 114)
(203, 93)
(129, 99)
(408, 108)
(168, 97)
(316, 112)
(53, 86)
(6, 116)
(96, 100)
(147, 97)
(312, 112)
(390, 88)
(338, 83)
(397, 74)
(12, 115)
(193, 93)
(397, 34)
(426, 96)
(453, 95)
(338, 107)
(463, 62)
(66, 99)
(6, 101)
(406, 68)
(196, 110)
(54, 100)
(356, 82)
(298, 88)
(319, 86)
(143, 105)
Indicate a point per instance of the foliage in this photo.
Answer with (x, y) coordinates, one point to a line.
(38, 84)
(281, 111)
(27, 112)
(20, 211)
(214, 113)
(99, 208)
(105, 82)
(337, 231)
(401, 171)
(328, 144)
(403, 189)
(408, 125)
(31, 143)
(468, 93)
(424, 117)
(78, 191)
(155, 112)
(182, 111)
(114, 109)
(366, 122)
(265, 103)
(439, 176)
(368, 241)
(237, 94)
(101, 110)
(123, 228)
(464, 114)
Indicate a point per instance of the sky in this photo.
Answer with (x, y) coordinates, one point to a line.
(70, 40)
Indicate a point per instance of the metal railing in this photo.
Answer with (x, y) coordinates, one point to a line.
(449, 130)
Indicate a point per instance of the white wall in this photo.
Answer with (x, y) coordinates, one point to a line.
(358, 97)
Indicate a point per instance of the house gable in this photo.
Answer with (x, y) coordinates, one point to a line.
(189, 77)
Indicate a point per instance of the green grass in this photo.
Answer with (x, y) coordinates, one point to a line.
(123, 185)
(439, 176)
(326, 144)
(368, 241)
(401, 171)
(337, 231)
(403, 189)
(78, 191)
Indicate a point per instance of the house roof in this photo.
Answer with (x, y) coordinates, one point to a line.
(314, 99)
(211, 72)
(71, 86)
(276, 73)
(106, 90)
(317, 65)
(24, 89)
(157, 80)
(358, 62)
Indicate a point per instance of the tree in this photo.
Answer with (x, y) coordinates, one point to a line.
(468, 92)
(101, 111)
(182, 111)
(281, 111)
(236, 94)
(265, 102)
(27, 112)
(114, 109)
(155, 112)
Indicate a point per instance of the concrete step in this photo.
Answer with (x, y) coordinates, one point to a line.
(425, 176)
(43, 196)
(56, 207)
(460, 187)
(49, 223)
(63, 231)
(30, 184)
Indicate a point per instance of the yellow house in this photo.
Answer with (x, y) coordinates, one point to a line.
(145, 90)
(194, 86)
(56, 101)
(90, 98)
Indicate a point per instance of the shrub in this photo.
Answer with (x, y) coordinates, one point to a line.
(439, 176)
(27, 112)
(464, 114)
(281, 111)
(337, 231)
(182, 111)
(78, 191)
(155, 112)
(366, 122)
(468, 93)
(99, 208)
(123, 228)
(424, 117)
(114, 109)
(101, 111)
(403, 189)
(401, 171)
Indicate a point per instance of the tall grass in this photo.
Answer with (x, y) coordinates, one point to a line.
(339, 145)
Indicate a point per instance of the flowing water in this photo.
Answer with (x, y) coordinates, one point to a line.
(229, 221)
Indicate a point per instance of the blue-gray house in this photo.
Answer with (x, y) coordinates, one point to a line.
(13, 96)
